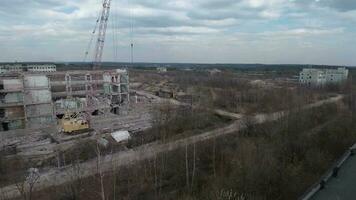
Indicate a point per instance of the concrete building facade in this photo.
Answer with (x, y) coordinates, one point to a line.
(322, 77)
(33, 100)
(117, 87)
(25, 101)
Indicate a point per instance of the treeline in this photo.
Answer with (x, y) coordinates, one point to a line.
(231, 92)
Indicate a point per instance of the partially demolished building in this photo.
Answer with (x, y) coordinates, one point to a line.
(35, 98)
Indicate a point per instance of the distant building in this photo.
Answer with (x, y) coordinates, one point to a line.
(214, 71)
(161, 69)
(41, 68)
(321, 77)
(8, 68)
(11, 68)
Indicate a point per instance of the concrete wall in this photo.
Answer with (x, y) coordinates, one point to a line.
(35, 81)
(39, 110)
(77, 103)
(12, 112)
(40, 122)
(17, 124)
(12, 125)
(38, 96)
(16, 97)
(12, 84)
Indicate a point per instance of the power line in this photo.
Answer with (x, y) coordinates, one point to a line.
(114, 28)
(91, 39)
(131, 32)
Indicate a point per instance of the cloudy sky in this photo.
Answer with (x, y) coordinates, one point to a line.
(208, 31)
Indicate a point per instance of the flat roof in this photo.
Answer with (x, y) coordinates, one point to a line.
(343, 186)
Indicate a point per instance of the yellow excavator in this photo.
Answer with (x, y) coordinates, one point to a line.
(74, 123)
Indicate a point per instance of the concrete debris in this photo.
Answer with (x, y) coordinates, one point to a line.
(103, 142)
(121, 136)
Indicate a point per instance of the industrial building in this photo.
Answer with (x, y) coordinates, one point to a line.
(322, 77)
(35, 99)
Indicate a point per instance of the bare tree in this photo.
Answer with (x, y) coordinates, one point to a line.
(186, 166)
(3, 195)
(194, 166)
(155, 172)
(75, 185)
(114, 174)
(26, 187)
(100, 172)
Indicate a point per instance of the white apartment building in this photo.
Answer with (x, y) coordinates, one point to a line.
(161, 69)
(31, 68)
(11, 68)
(42, 68)
(320, 77)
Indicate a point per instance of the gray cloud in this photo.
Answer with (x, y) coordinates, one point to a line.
(216, 4)
(340, 5)
(180, 30)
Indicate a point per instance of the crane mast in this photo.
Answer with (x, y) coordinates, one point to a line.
(103, 23)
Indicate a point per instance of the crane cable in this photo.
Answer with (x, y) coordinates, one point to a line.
(131, 32)
(91, 38)
(115, 33)
(114, 27)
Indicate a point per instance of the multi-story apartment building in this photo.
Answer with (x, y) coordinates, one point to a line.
(321, 77)
(8, 68)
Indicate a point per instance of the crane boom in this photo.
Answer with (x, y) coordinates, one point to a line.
(99, 48)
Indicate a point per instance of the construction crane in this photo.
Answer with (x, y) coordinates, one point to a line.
(74, 121)
(103, 24)
(98, 54)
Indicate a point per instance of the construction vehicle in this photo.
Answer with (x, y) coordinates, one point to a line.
(74, 123)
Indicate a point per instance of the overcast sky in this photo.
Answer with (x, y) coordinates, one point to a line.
(205, 31)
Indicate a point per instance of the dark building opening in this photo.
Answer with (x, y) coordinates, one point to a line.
(5, 126)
